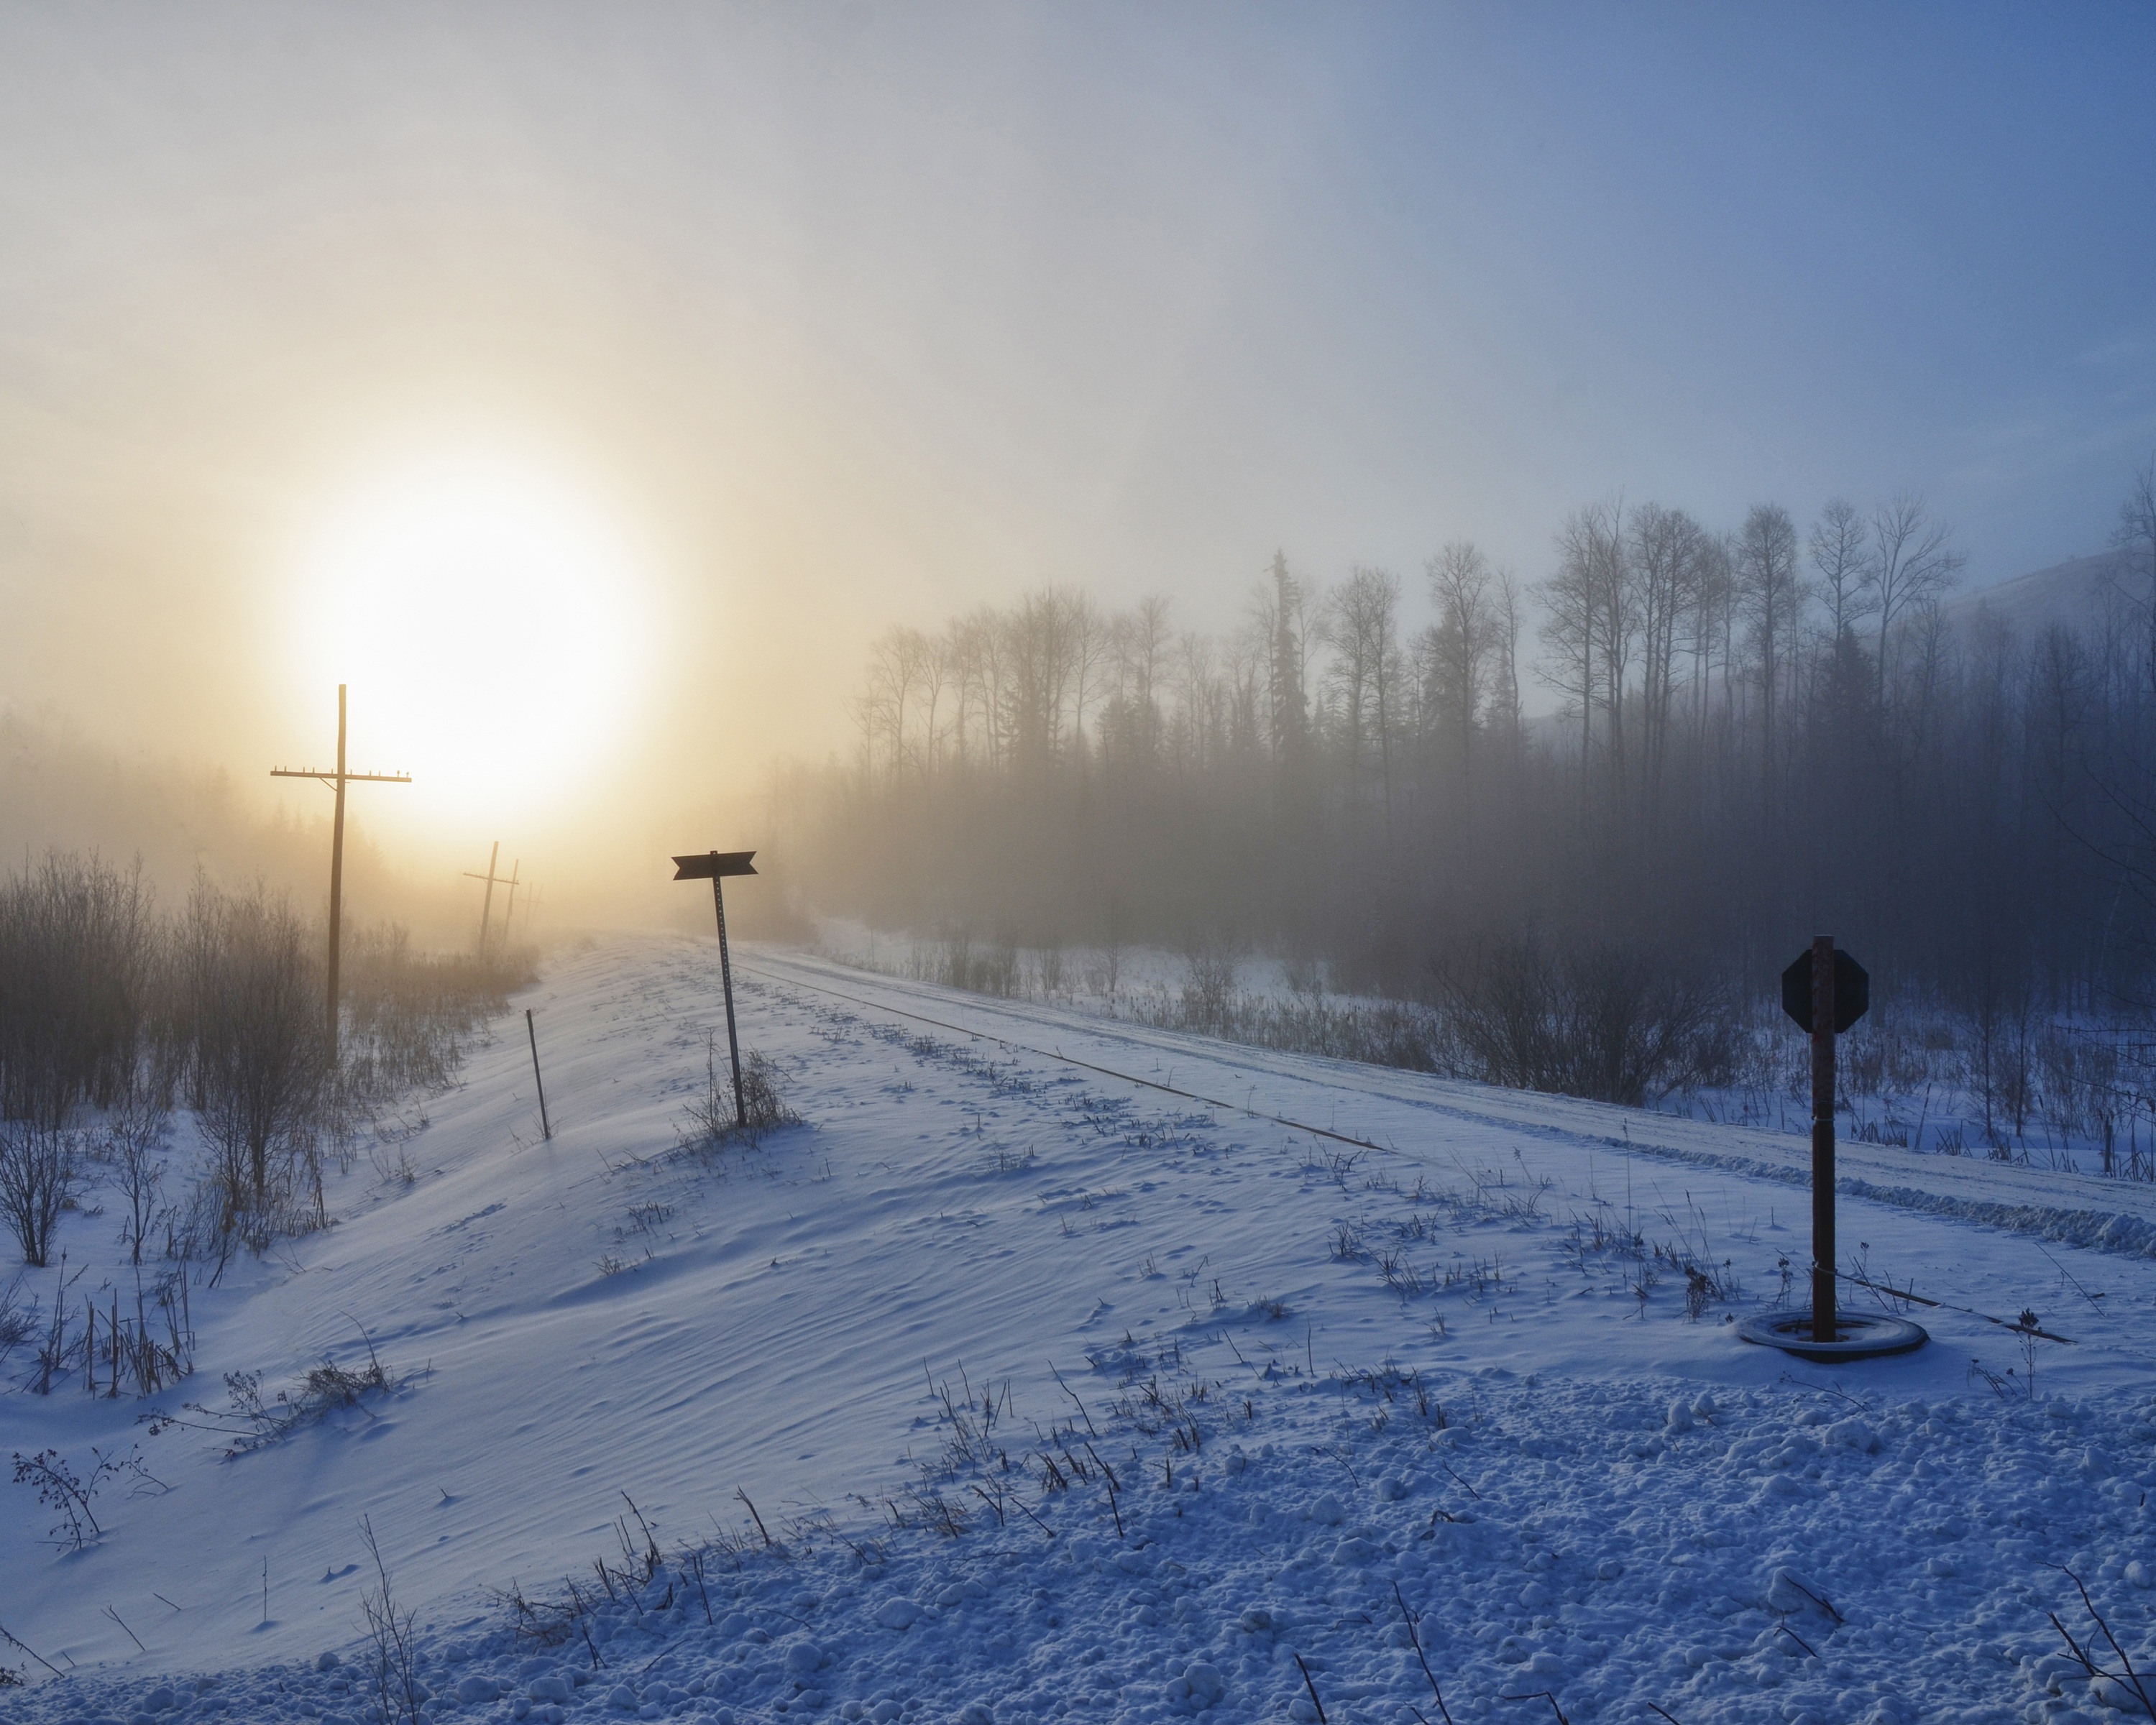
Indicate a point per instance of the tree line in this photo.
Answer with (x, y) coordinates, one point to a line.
(1761, 731)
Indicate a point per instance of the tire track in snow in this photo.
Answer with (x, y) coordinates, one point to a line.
(2119, 1231)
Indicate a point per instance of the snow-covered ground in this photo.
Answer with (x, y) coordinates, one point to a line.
(1911, 1075)
(1482, 1381)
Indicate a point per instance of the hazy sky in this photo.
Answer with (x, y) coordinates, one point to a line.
(804, 319)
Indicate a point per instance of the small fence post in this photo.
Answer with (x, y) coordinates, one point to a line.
(545, 1126)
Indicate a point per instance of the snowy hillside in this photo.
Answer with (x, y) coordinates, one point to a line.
(1056, 1367)
(2076, 594)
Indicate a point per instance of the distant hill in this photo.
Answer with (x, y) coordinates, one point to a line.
(2078, 593)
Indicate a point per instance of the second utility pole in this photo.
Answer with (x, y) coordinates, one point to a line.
(486, 904)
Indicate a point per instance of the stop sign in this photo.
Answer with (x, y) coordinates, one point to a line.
(1852, 991)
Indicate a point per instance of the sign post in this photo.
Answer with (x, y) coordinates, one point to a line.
(1826, 992)
(714, 866)
(1823, 1032)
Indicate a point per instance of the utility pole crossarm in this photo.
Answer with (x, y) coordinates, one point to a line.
(336, 781)
(493, 880)
(486, 906)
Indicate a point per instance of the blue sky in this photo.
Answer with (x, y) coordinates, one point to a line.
(1862, 245)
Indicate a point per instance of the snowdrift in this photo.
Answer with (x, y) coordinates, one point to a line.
(1008, 1388)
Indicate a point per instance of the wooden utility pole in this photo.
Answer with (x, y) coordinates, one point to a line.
(509, 910)
(1823, 1016)
(337, 781)
(487, 905)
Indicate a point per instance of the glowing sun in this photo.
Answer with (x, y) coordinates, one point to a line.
(487, 621)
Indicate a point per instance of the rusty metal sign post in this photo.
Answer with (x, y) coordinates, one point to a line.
(714, 866)
(1826, 992)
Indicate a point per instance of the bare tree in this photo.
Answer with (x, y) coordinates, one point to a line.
(932, 671)
(1280, 612)
(261, 1062)
(975, 645)
(1363, 626)
(78, 947)
(1043, 641)
(1712, 630)
(135, 1147)
(1242, 677)
(1767, 572)
(961, 668)
(1141, 644)
(1576, 627)
(1614, 618)
(1200, 729)
(1687, 658)
(1089, 647)
(2136, 536)
(1912, 561)
(1458, 650)
(1840, 553)
(1662, 571)
(900, 659)
(40, 1167)
(1504, 634)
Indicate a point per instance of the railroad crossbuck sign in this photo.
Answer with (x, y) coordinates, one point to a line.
(1826, 991)
(715, 866)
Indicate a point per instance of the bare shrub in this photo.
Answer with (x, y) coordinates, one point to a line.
(408, 1014)
(260, 1069)
(2124, 1689)
(978, 967)
(1616, 1025)
(714, 1118)
(1382, 1033)
(392, 1666)
(149, 1347)
(40, 1167)
(133, 1149)
(78, 954)
(248, 1421)
(17, 1321)
(1209, 987)
(70, 1495)
(104, 1005)
(761, 1099)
